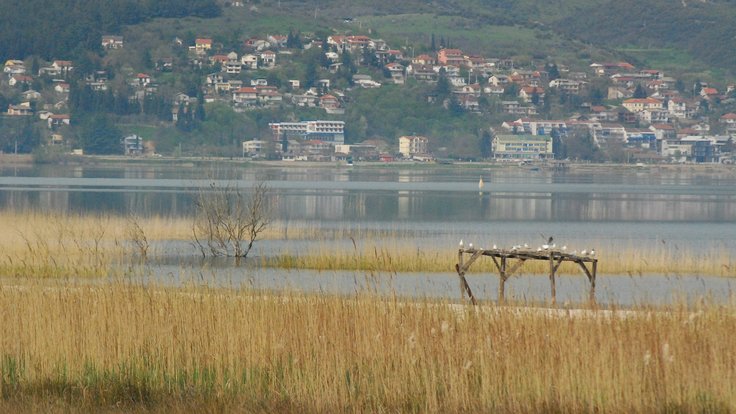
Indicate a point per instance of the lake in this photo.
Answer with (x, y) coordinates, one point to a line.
(434, 206)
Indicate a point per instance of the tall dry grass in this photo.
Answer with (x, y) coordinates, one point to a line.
(119, 346)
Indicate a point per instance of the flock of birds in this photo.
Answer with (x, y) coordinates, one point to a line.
(549, 245)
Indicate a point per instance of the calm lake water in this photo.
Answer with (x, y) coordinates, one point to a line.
(430, 207)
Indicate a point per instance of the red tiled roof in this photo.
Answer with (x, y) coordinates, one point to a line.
(643, 100)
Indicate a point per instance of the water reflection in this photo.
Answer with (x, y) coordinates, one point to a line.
(386, 194)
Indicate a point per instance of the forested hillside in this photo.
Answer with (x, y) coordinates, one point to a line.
(63, 28)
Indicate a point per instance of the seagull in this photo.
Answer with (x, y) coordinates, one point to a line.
(470, 246)
(526, 246)
(584, 252)
(539, 249)
(462, 244)
(592, 252)
(545, 246)
(494, 247)
(564, 248)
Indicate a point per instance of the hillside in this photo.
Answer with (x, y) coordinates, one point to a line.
(190, 100)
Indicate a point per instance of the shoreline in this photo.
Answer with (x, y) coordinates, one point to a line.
(27, 160)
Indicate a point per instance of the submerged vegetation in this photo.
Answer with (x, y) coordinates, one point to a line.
(122, 346)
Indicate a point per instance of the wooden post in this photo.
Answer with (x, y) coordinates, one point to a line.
(592, 281)
(552, 278)
(462, 268)
(502, 281)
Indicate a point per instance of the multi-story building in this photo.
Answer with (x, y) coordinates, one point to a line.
(522, 147)
(413, 145)
(329, 131)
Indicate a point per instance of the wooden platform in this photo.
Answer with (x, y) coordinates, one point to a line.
(510, 261)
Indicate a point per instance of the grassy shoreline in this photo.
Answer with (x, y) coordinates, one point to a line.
(118, 161)
(148, 348)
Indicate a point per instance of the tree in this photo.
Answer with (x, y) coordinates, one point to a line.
(558, 147)
(228, 222)
(535, 97)
(552, 71)
(442, 88)
(310, 76)
(580, 145)
(596, 96)
(200, 115)
(99, 135)
(640, 92)
(486, 144)
(456, 109)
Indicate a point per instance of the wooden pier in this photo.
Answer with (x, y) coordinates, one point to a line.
(510, 261)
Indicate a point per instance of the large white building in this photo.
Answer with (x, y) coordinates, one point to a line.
(329, 131)
(522, 147)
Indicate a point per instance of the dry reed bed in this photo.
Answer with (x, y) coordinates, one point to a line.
(48, 245)
(400, 256)
(127, 346)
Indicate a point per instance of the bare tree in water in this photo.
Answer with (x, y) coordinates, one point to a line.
(227, 222)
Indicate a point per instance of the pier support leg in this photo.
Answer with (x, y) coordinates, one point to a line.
(461, 269)
(502, 281)
(552, 279)
(592, 282)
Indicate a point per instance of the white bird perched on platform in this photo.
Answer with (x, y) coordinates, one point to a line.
(584, 252)
(545, 246)
(526, 246)
(494, 246)
(592, 252)
(539, 249)
(564, 248)
(461, 244)
(470, 245)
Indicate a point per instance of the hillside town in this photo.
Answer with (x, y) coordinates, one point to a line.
(639, 114)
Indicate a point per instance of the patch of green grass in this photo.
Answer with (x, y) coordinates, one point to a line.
(235, 22)
(674, 62)
(478, 37)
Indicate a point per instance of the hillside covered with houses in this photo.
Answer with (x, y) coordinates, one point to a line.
(349, 93)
